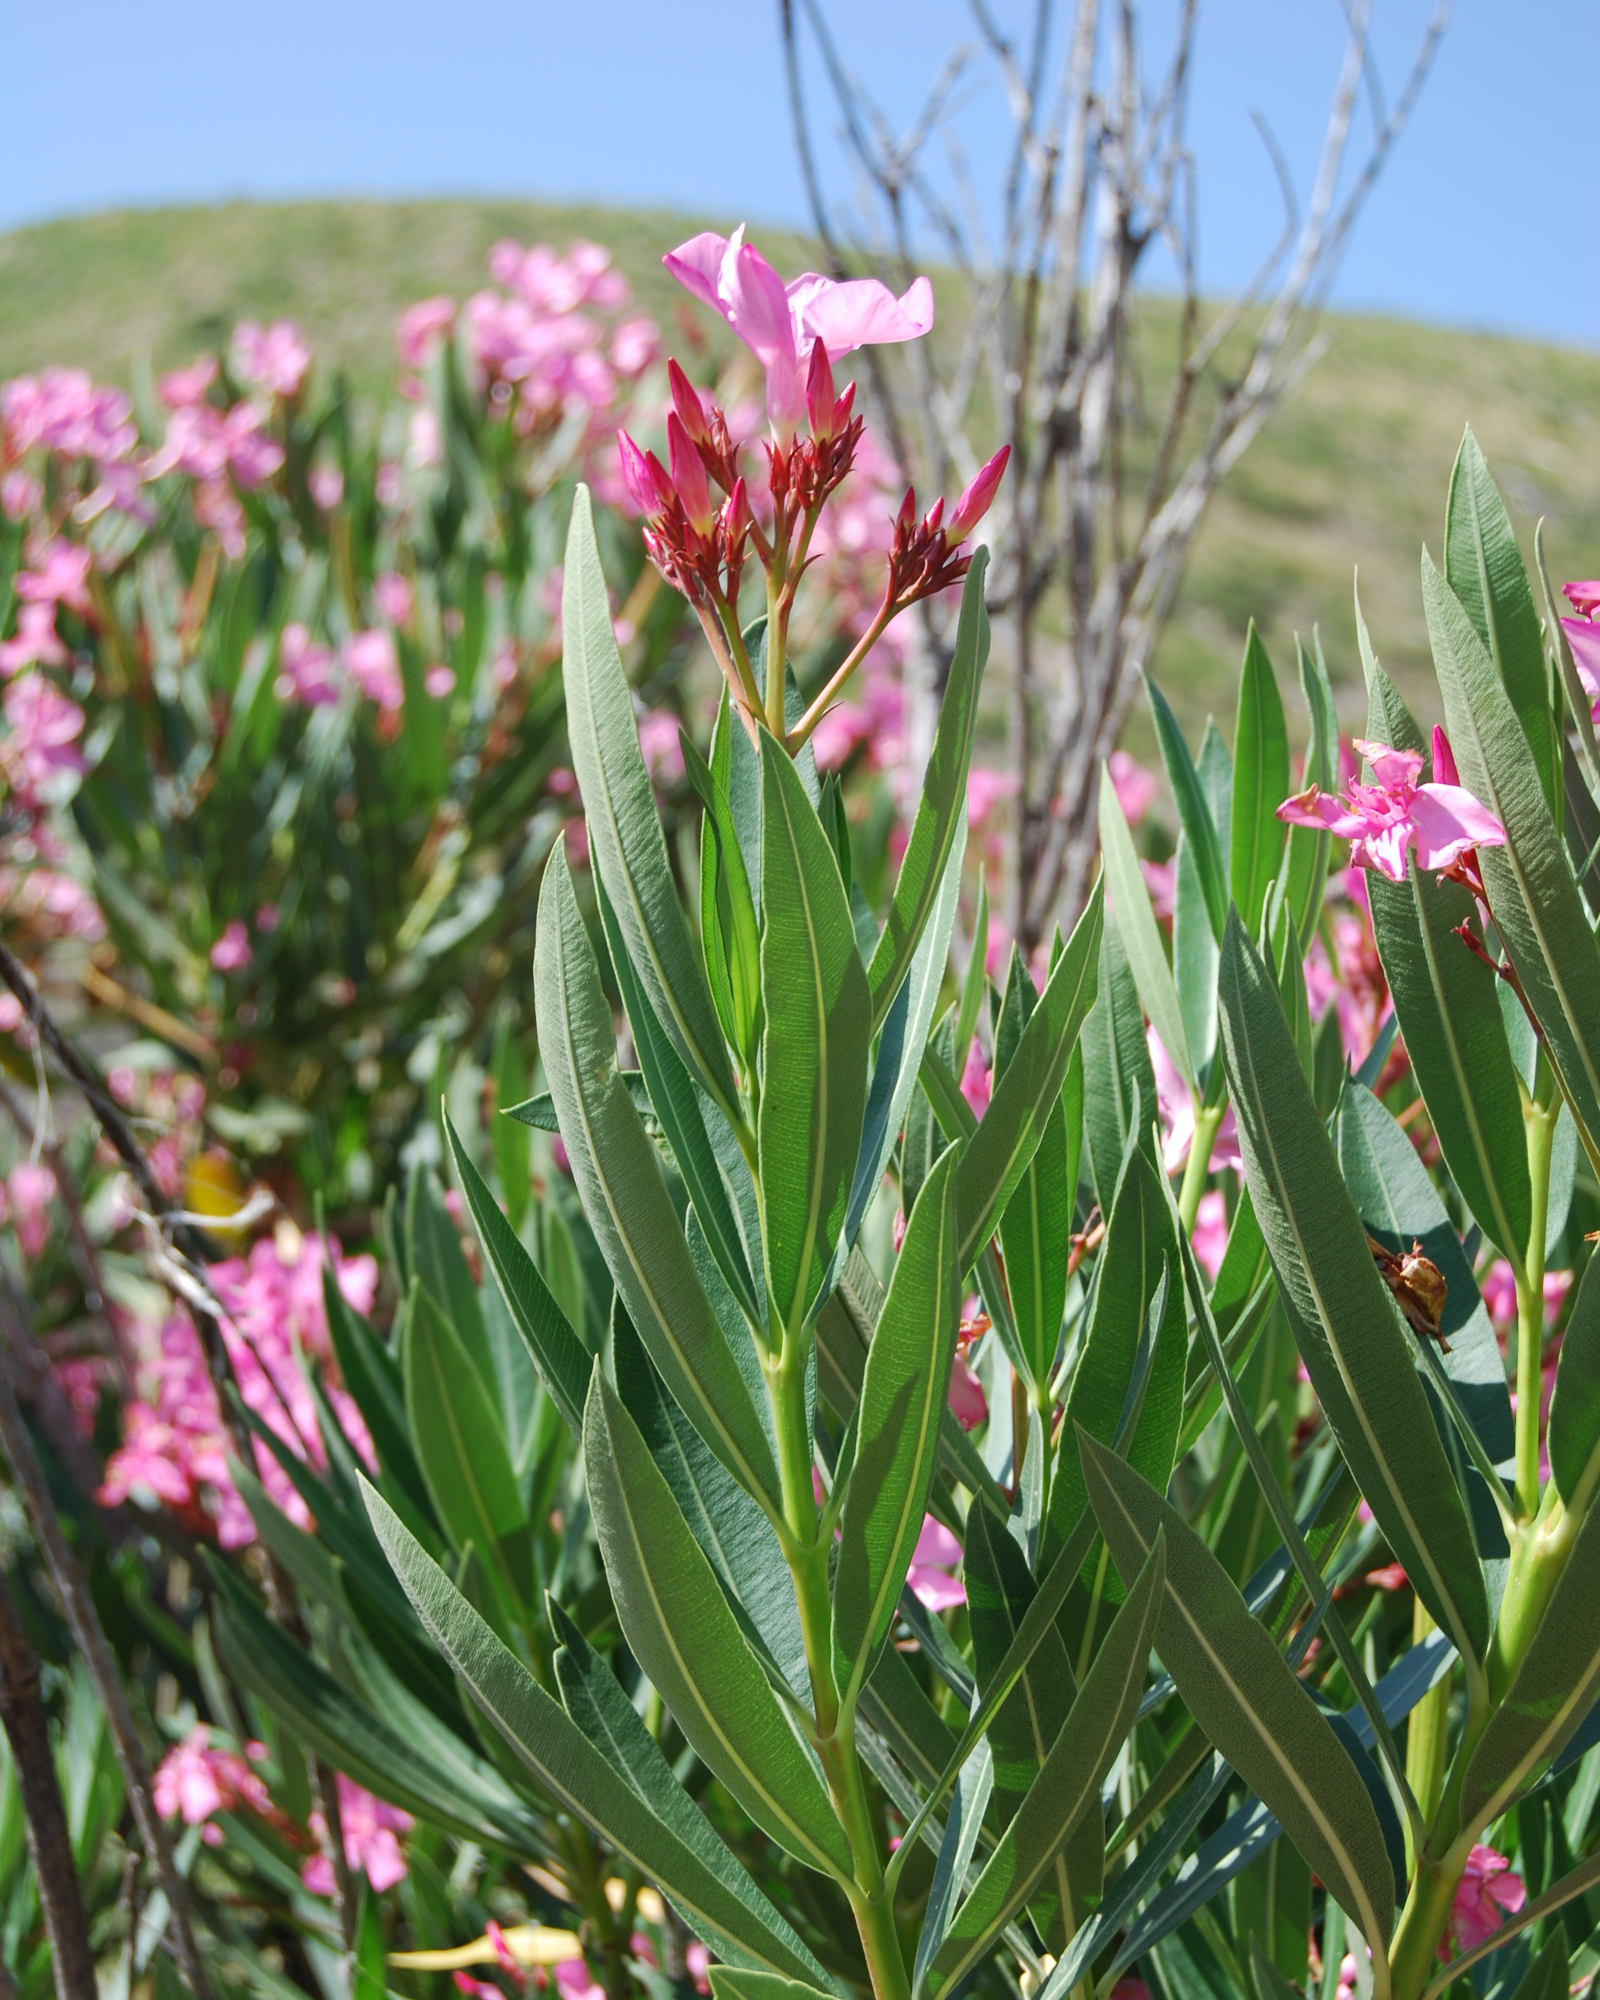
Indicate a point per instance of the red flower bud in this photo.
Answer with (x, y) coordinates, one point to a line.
(819, 392)
(636, 475)
(689, 477)
(976, 501)
(690, 409)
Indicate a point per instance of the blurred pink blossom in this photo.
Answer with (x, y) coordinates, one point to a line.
(1134, 786)
(439, 680)
(1176, 1109)
(975, 1080)
(193, 1782)
(987, 789)
(231, 952)
(44, 728)
(36, 642)
(663, 753)
(374, 666)
(55, 903)
(31, 1187)
(394, 597)
(968, 1403)
(61, 410)
(937, 1553)
(370, 1846)
(306, 671)
(1488, 1893)
(273, 359)
(183, 388)
(1210, 1236)
(325, 483)
(421, 329)
(20, 495)
(60, 575)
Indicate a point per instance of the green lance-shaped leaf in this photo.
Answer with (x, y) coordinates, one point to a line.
(372, 1376)
(1260, 784)
(1484, 567)
(1537, 908)
(1575, 1404)
(815, 1046)
(1194, 813)
(1354, 1344)
(1550, 1976)
(462, 1452)
(559, 1355)
(1136, 924)
(733, 1983)
(1243, 1694)
(1119, 1081)
(1036, 1236)
(904, 1394)
(434, 1259)
(1139, 1246)
(619, 1181)
(1194, 958)
(1455, 1034)
(683, 1634)
(1066, 1788)
(1306, 860)
(728, 911)
(1552, 1691)
(569, 1767)
(999, 1150)
(942, 810)
(625, 838)
(677, 1107)
(999, 1592)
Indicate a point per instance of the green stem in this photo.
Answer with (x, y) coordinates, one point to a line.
(880, 1942)
(1206, 1121)
(1541, 1124)
(1413, 1950)
(1427, 1733)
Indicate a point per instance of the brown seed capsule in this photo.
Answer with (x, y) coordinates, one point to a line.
(1419, 1288)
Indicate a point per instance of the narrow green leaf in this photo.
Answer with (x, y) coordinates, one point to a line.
(1139, 1246)
(558, 1353)
(1484, 568)
(815, 1047)
(1308, 849)
(371, 1375)
(625, 838)
(1549, 1977)
(999, 1592)
(1036, 1236)
(975, 983)
(1136, 926)
(625, 1200)
(729, 1983)
(999, 1150)
(1260, 784)
(1552, 1691)
(734, 904)
(1194, 813)
(904, 1395)
(942, 809)
(681, 1631)
(1350, 1335)
(571, 1770)
(1243, 1694)
(1575, 1405)
(1066, 1788)
(1537, 908)
(512, 1147)
(462, 1452)
(1455, 1034)
(1119, 1083)
(1194, 958)
(434, 1258)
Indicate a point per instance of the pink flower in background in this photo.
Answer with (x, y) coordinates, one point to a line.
(31, 1187)
(62, 577)
(207, 443)
(44, 730)
(422, 328)
(1161, 879)
(193, 1781)
(61, 410)
(634, 346)
(1584, 597)
(986, 791)
(370, 1846)
(424, 441)
(968, 1403)
(36, 642)
(231, 952)
(273, 359)
(781, 323)
(1442, 821)
(1210, 1235)
(183, 388)
(54, 903)
(439, 680)
(394, 597)
(975, 1080)
(1134, 786)
(1489, 1892)
(20, 495)
(374, 666)
(1499, 1289)
(663, 753)
(1176, 1110)
(997, 947)
(306, 671)
(937, 1553)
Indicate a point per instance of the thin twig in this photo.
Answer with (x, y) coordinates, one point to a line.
(49, 1839)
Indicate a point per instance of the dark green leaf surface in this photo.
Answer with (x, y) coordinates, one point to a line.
(434, 1244)
(570, 1769)
(904, 1395)
(1575, 1405)
(1194, 812)
(683, 1634)
(1260, 784)
(942, 810)
(1119, 1082)
(558, 1353)
(1536, 904)
(1350, 1335)
(1244, 1696)
(1066, 1788)
(1484, 568)
(1308, 848)
(1135, 921)
(815, 1047)
(635, 1224)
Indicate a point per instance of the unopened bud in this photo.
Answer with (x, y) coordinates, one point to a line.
(690, 409)
(1444, 763)
(689, 477)
(819, 392)
(636, 475)
(976, 501)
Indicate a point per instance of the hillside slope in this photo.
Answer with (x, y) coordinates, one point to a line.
(1350, 475)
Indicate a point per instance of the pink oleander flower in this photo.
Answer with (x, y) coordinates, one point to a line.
(231, 952)
(1175, 1107)
(987, 791)
(55, 903)
(937, 1553)
(60, 575)
(61, 410)
(439, 680)
(273, 358)
(780, 323)
(31, 1187)
(183, 388)
(44, 729)
(21, 495)
(1161, 879)
(394, 597)
(1441, 820)
(370, 1846)
(374, 666)
(663, 752)
(975, 1079)
(193, 1782)
(307, 673)
(1489, 1892)
(968, 1404)
(1499, 1290)
(1210, 1236)
(1584, 597)
(421, 329)
(325, 484)
(1134, 786)
(36, 643)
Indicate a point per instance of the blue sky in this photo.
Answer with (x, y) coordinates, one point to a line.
(1486, 217)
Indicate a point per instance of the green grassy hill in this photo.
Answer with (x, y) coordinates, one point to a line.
(1351, 474)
